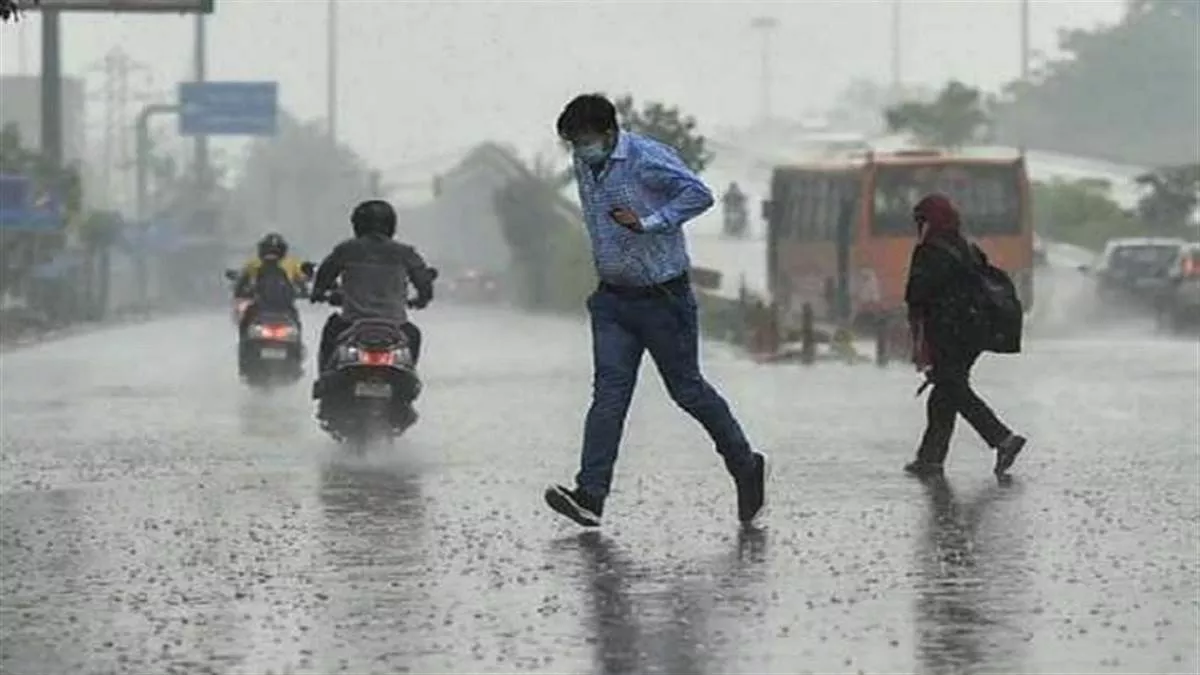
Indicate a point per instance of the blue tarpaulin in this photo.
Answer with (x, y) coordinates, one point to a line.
(23, 208)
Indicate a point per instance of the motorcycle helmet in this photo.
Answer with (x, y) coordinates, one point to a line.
(374, 216)
(272, 247)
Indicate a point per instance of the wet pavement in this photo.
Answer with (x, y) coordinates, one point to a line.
(157, 516)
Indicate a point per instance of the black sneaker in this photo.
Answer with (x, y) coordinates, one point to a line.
(752, 489)
(576, 505)
(1006, 453)
(922, 469)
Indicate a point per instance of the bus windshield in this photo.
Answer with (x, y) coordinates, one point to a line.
(987, 196)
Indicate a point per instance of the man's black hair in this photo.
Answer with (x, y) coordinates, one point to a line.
(587, 112)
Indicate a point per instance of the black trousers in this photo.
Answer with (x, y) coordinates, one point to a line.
(952, 395)
(336, 324)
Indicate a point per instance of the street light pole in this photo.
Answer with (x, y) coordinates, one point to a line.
(331, 87)
(766, 25)
(201, 140)
(897, 77)
(1024, 40)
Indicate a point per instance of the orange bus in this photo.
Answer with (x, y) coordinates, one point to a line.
(840, 234)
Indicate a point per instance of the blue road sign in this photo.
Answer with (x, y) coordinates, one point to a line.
(228, 108)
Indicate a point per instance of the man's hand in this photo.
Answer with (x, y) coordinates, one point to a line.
(626, 218)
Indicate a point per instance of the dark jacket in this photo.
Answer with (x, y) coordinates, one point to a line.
(375, 272)
(940, 294)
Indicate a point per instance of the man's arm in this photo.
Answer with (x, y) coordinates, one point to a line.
(420, 274)
(929, 272)
(687, 196)
(328, 272)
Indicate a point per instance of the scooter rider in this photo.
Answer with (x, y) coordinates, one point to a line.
(375, 271)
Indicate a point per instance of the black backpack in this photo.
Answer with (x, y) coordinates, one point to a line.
(997, 317)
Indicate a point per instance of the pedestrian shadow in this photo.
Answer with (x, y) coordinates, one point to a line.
(964, 602)
(629, 627)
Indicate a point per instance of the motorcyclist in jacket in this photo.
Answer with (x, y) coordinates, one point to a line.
(375, 271)
(272, 280)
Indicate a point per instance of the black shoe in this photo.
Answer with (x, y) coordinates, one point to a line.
(1006, 453)
(923, 469)
(752, 489)
(576, 505)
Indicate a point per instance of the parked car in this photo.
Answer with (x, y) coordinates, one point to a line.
(1135, 268)
(1179, 304)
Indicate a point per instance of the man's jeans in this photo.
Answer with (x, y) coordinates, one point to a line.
(664, 324)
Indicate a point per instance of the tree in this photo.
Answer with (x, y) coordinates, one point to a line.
(301, 184)
(1080, 212)
(1128, 92)
(861, 104)
(10, 9)
(957, 116)
(667, 125)
(1173, 193)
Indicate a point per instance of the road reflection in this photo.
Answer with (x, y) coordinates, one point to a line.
(653, 621)
(966, 596)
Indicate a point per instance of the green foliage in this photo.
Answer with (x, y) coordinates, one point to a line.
(1129, 91)
(301, 184)
(956, 117)
(15, 158)
(550, 249)
(1081, 213)
(667, 125)
(1173, 193)
(858, 106)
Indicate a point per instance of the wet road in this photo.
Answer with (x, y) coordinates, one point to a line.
(155, 516)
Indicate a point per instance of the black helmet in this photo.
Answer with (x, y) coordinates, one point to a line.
(272, 247)
(374, 216)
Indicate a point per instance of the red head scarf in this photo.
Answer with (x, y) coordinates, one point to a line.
(936, 214)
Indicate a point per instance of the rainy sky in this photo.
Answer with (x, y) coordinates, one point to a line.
(421, 79)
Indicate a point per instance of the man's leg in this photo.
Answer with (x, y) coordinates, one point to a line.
(412, 333)
(616, 355)
(987, 424)
(334, 326)
(669, 327)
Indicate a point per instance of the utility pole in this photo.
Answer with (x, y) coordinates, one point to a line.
(51, 113)
(331, 70)
(897, 72)
(201, 158)
(117, 68)
(765, 25)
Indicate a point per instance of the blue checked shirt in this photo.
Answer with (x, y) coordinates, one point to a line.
(648, 178)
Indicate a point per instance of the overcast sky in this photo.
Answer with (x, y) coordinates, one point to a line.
(423, 78)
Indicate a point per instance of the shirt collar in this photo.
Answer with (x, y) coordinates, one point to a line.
(621, 150)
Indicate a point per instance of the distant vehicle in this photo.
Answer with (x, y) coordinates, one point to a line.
(841, 234)
(474, 286)
(1179, 304)
(1135, 268)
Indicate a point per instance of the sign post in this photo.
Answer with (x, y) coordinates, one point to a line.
(228, 108)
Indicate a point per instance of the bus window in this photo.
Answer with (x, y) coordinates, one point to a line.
(988, 197)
